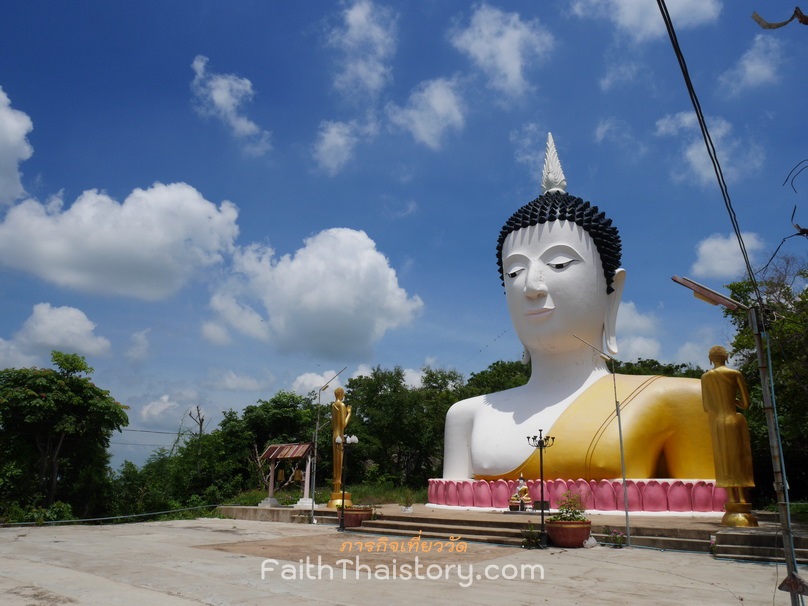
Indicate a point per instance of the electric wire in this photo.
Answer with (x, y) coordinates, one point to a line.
(722, 184)
(107, 518)
(733, 220)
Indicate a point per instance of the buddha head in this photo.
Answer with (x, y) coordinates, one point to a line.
(718, 355)
(559, 261)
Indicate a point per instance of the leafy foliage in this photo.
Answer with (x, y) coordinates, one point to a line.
(570, 508)
(55, 427)
(653, 367)
(210, 468)
(785, 315)
(400, 428)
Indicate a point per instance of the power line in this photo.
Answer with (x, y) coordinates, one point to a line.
(708, 141)
(138, 444)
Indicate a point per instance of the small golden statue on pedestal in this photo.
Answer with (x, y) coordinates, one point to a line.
(723, 391)
(522, 495)
(340, 415)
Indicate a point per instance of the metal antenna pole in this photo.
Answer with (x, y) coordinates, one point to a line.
(610, 359)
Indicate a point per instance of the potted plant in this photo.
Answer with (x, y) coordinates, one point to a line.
(355, 514)
(569, 527)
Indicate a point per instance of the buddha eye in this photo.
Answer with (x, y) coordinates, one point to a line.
(560, 263)
(515, 272)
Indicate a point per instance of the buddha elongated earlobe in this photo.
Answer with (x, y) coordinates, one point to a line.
(610, 324)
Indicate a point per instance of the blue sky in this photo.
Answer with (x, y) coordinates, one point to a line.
(214, 201)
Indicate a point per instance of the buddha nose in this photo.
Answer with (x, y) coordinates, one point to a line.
(535, 286)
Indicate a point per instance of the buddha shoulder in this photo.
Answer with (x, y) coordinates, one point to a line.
(497, 400)
(667, 391)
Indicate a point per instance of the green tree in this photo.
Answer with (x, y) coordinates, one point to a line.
(653, 367)
(212, 467)
(499, 376)
(55, 427)
(785, 313)
(400, 428)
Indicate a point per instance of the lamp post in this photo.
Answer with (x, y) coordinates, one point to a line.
(541, 443)
(342, 443)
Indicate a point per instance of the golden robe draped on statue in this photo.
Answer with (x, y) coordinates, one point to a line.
(665, 433)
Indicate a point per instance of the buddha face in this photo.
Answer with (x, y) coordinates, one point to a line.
(555, 288)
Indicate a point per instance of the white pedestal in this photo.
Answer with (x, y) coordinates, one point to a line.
(304, 504)
(269, 502)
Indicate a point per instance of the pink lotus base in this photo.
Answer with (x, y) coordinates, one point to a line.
(596, 495)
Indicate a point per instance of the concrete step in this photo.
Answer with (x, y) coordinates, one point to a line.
(412, 528)
(509, 532)
(758, 544)
(494, 538)
(762, 544)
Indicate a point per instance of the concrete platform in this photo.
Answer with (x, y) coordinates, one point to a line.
(219, 562)
(663, 530)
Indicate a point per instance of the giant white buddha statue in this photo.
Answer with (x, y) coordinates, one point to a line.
(559, 260)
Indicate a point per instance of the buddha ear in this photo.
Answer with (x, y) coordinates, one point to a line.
(610, 325)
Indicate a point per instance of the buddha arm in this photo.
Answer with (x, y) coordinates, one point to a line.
(743, 400)
(457, 440)
(688, 449)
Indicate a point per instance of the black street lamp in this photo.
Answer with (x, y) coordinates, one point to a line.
(541, 443)
(342, 443)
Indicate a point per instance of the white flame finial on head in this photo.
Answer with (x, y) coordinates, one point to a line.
(552, 178)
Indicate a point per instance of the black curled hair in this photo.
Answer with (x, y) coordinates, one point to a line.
(561, 206)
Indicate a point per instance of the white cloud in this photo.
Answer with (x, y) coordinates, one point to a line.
(312, 381)
(366, 39)
(161, 409)
(695, 350)
(413, 378)
(641, 20)
(139, 346)
(738, 158)
(620, 134)
(335, 145)
(363, 370)
(635, 347)
(14, 148)
(170, 411)
(216, 333)
(64, 328)
(757, 67)
(334, 297)
(240, 316)
(636, 332)
(222, 96)
(528, 142)
(502, 46)
(720, 256)
(148, 247)
(232, 381)
(11, 356)
(619, 74)
(432, 109)
(410, 207)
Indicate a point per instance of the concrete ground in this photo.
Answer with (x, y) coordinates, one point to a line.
(229, 562)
